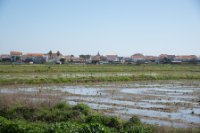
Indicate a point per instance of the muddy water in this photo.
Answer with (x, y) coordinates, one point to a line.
(174, 104)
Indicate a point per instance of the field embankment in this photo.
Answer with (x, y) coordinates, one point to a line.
(44, 74)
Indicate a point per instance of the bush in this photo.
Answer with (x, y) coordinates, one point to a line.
(115, 122)
(82, 108)
(98, 119)
(134, 120)
(7, 126)
(62, 105)
(95, 128)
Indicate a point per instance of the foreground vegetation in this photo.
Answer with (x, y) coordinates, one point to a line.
(63, 118)
(19, 115)
(40, 74)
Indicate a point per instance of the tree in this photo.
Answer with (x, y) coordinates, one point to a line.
(71, 58)
(84, 57)
(166, 60)
(58, 53)
(62, 60)
(193, 61)
(50, 53)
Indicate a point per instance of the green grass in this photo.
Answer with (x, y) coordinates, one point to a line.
(95, 68)
(41, 74)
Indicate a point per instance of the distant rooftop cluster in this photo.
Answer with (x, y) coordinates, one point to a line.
(59, 58)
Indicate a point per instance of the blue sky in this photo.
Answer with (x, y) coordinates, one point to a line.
(78, 27)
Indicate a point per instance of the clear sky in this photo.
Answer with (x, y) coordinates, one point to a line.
(78, 27)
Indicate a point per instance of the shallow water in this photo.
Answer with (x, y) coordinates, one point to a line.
(164, 104)
(84, 91)
(116, 102)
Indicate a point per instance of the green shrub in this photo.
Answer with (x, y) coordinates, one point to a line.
(64, 127)
(115, 122)
(95, 128)
(82, 108)
(135, 120)
(62, 105)
(98, 119)
(7, 126)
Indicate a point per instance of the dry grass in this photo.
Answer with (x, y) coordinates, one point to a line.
(31, 100)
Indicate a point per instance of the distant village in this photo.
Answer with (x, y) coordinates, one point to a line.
(17, 57)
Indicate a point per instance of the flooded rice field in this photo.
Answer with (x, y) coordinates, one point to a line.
(168, 103)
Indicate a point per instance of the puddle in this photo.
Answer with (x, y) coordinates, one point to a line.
(83, 91)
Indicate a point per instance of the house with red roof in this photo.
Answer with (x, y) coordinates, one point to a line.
(36, 58)
(138, 57)
(16, 56)
(5, 58)
(150, 58)
(186, 58)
